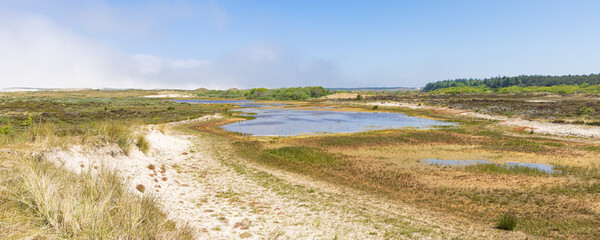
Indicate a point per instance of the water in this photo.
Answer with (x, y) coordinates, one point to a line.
(431, 161)
(273, 121)
(290, 122)
(539, 166)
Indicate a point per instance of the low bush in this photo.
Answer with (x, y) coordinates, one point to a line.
(5, 129)
(584, 110)
(142, 143)
(507, 221)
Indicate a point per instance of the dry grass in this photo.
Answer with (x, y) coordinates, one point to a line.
(387, 163)
(40, 199)
(142, 143)
(85, 206)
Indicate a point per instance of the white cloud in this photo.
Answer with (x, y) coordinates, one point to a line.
(36, 52)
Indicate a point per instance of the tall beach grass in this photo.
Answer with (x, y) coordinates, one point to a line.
(85, 206)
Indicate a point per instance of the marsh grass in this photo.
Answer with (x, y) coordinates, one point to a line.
(544, 209)
(334, 167)
(305, 155)
(507, 221)
(505, 169)
(92, 205)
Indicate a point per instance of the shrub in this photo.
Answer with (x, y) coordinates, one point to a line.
(142, 143)
(27, 121)
(114, 132)
(594, 123)
(507, 221)
(584, 110)
(375, 107)
(5, 129)
(359, 97)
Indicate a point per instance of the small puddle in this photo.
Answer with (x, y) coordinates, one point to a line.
(432, 161)
(539, 166)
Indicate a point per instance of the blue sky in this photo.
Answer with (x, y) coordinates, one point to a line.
(244, 44)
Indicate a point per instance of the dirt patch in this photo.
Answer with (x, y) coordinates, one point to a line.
(341, 96)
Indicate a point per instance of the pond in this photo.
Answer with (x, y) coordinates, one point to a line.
(432, 161)
(539, 166)
(272, 120)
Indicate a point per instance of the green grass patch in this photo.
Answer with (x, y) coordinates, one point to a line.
(507, 221)
(303, 155)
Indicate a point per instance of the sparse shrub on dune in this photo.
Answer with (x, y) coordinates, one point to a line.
(142, 143)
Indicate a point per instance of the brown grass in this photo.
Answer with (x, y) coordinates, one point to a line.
(386, 163)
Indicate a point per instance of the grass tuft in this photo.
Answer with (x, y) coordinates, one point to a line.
(507, 221)
(142, 143)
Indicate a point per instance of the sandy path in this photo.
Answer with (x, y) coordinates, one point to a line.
(537, 126)
(199, 183)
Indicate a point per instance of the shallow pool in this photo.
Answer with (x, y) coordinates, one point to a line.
(290, 121)
(273, 120)
(432, 161)
(539, 166)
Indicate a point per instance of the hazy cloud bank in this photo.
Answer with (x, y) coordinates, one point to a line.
(37, 52)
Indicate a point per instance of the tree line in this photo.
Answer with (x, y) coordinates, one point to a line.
(522, 80)
(297, 93)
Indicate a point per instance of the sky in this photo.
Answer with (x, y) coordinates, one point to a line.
(246, 44)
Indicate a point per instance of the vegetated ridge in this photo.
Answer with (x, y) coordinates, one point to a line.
(519, 83)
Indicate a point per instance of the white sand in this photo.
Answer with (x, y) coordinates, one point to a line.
(169, 96)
